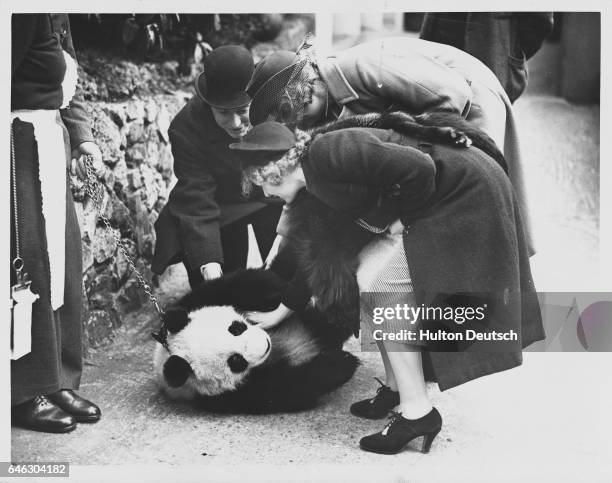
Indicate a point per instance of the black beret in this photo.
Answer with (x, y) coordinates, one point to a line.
(265, 142)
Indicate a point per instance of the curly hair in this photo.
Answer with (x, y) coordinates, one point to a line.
(274, 171)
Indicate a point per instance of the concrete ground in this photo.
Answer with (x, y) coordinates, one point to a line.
(547, 420)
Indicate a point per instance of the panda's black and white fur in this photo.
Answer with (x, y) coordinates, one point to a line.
(217, 358)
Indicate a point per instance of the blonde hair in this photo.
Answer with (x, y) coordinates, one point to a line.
(274, 171)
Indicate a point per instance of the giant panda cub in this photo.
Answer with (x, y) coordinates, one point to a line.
(215, 357)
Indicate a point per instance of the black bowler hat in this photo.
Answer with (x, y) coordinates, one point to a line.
(266, 142)
(227, 72)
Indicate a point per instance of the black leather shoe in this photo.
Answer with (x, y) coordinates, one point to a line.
(83, 410)
(378, 406)
(40, 414)
(399, 431)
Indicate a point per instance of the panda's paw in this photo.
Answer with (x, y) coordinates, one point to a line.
(176, 371)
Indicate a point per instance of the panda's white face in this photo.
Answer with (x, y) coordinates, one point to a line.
(219, 346)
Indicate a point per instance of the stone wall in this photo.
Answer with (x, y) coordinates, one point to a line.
(133, 138)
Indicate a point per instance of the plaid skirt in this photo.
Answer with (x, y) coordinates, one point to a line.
(384, 281)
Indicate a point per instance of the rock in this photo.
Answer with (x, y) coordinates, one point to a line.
(163, 123)
(135, 133)
(77, 187)
(87, 254)
(88, 277)
(124, 141)
(120, 172)
(159, 204)
(120, 267)
(103, 244)
(107, 136)
(118, 213)
(145, 237)
(151, 110)
(88, 218)
(101, 299)
(130, 247)
(166, 162)
(99, 327)
(102, 282)
(104, 206)
(116, 112)
(130, 296)
(134, 178)
(135, 155)
(144, 231)
(153, 185)
(135, 110)
(169, 69)
(154, 215)
(108, 179)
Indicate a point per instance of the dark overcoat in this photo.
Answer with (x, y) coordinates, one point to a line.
(207, 195)
(463, 228)
(503, 41)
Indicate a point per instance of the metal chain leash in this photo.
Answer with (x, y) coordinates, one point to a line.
(96, 192)
(17, 261)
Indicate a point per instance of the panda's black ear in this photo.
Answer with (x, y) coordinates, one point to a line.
(176, 371)
(176, 318)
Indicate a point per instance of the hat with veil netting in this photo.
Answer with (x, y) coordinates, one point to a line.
(280, 83)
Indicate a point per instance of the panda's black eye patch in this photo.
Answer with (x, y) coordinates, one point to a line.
(237, 327)
(237, 363)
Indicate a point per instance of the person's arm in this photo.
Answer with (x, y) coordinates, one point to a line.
(427, 86)
(352, 161)
(76, 120)
(192, 203)
(75, 117)
(294, 298)
(23, 30)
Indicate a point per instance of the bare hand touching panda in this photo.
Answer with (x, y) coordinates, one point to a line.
(211, 270)
(267, 320)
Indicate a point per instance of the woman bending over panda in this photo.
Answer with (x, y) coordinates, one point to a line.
(439, 219)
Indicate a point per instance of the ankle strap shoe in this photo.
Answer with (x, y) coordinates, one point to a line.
(378, 406)
(400, 431)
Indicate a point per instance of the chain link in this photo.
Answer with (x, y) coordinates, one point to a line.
(14, 186)
(96, 192)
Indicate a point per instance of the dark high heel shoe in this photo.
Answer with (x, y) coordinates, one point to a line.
(399, 431)
(378, 406)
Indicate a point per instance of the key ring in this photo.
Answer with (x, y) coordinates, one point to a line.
(18, 265)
